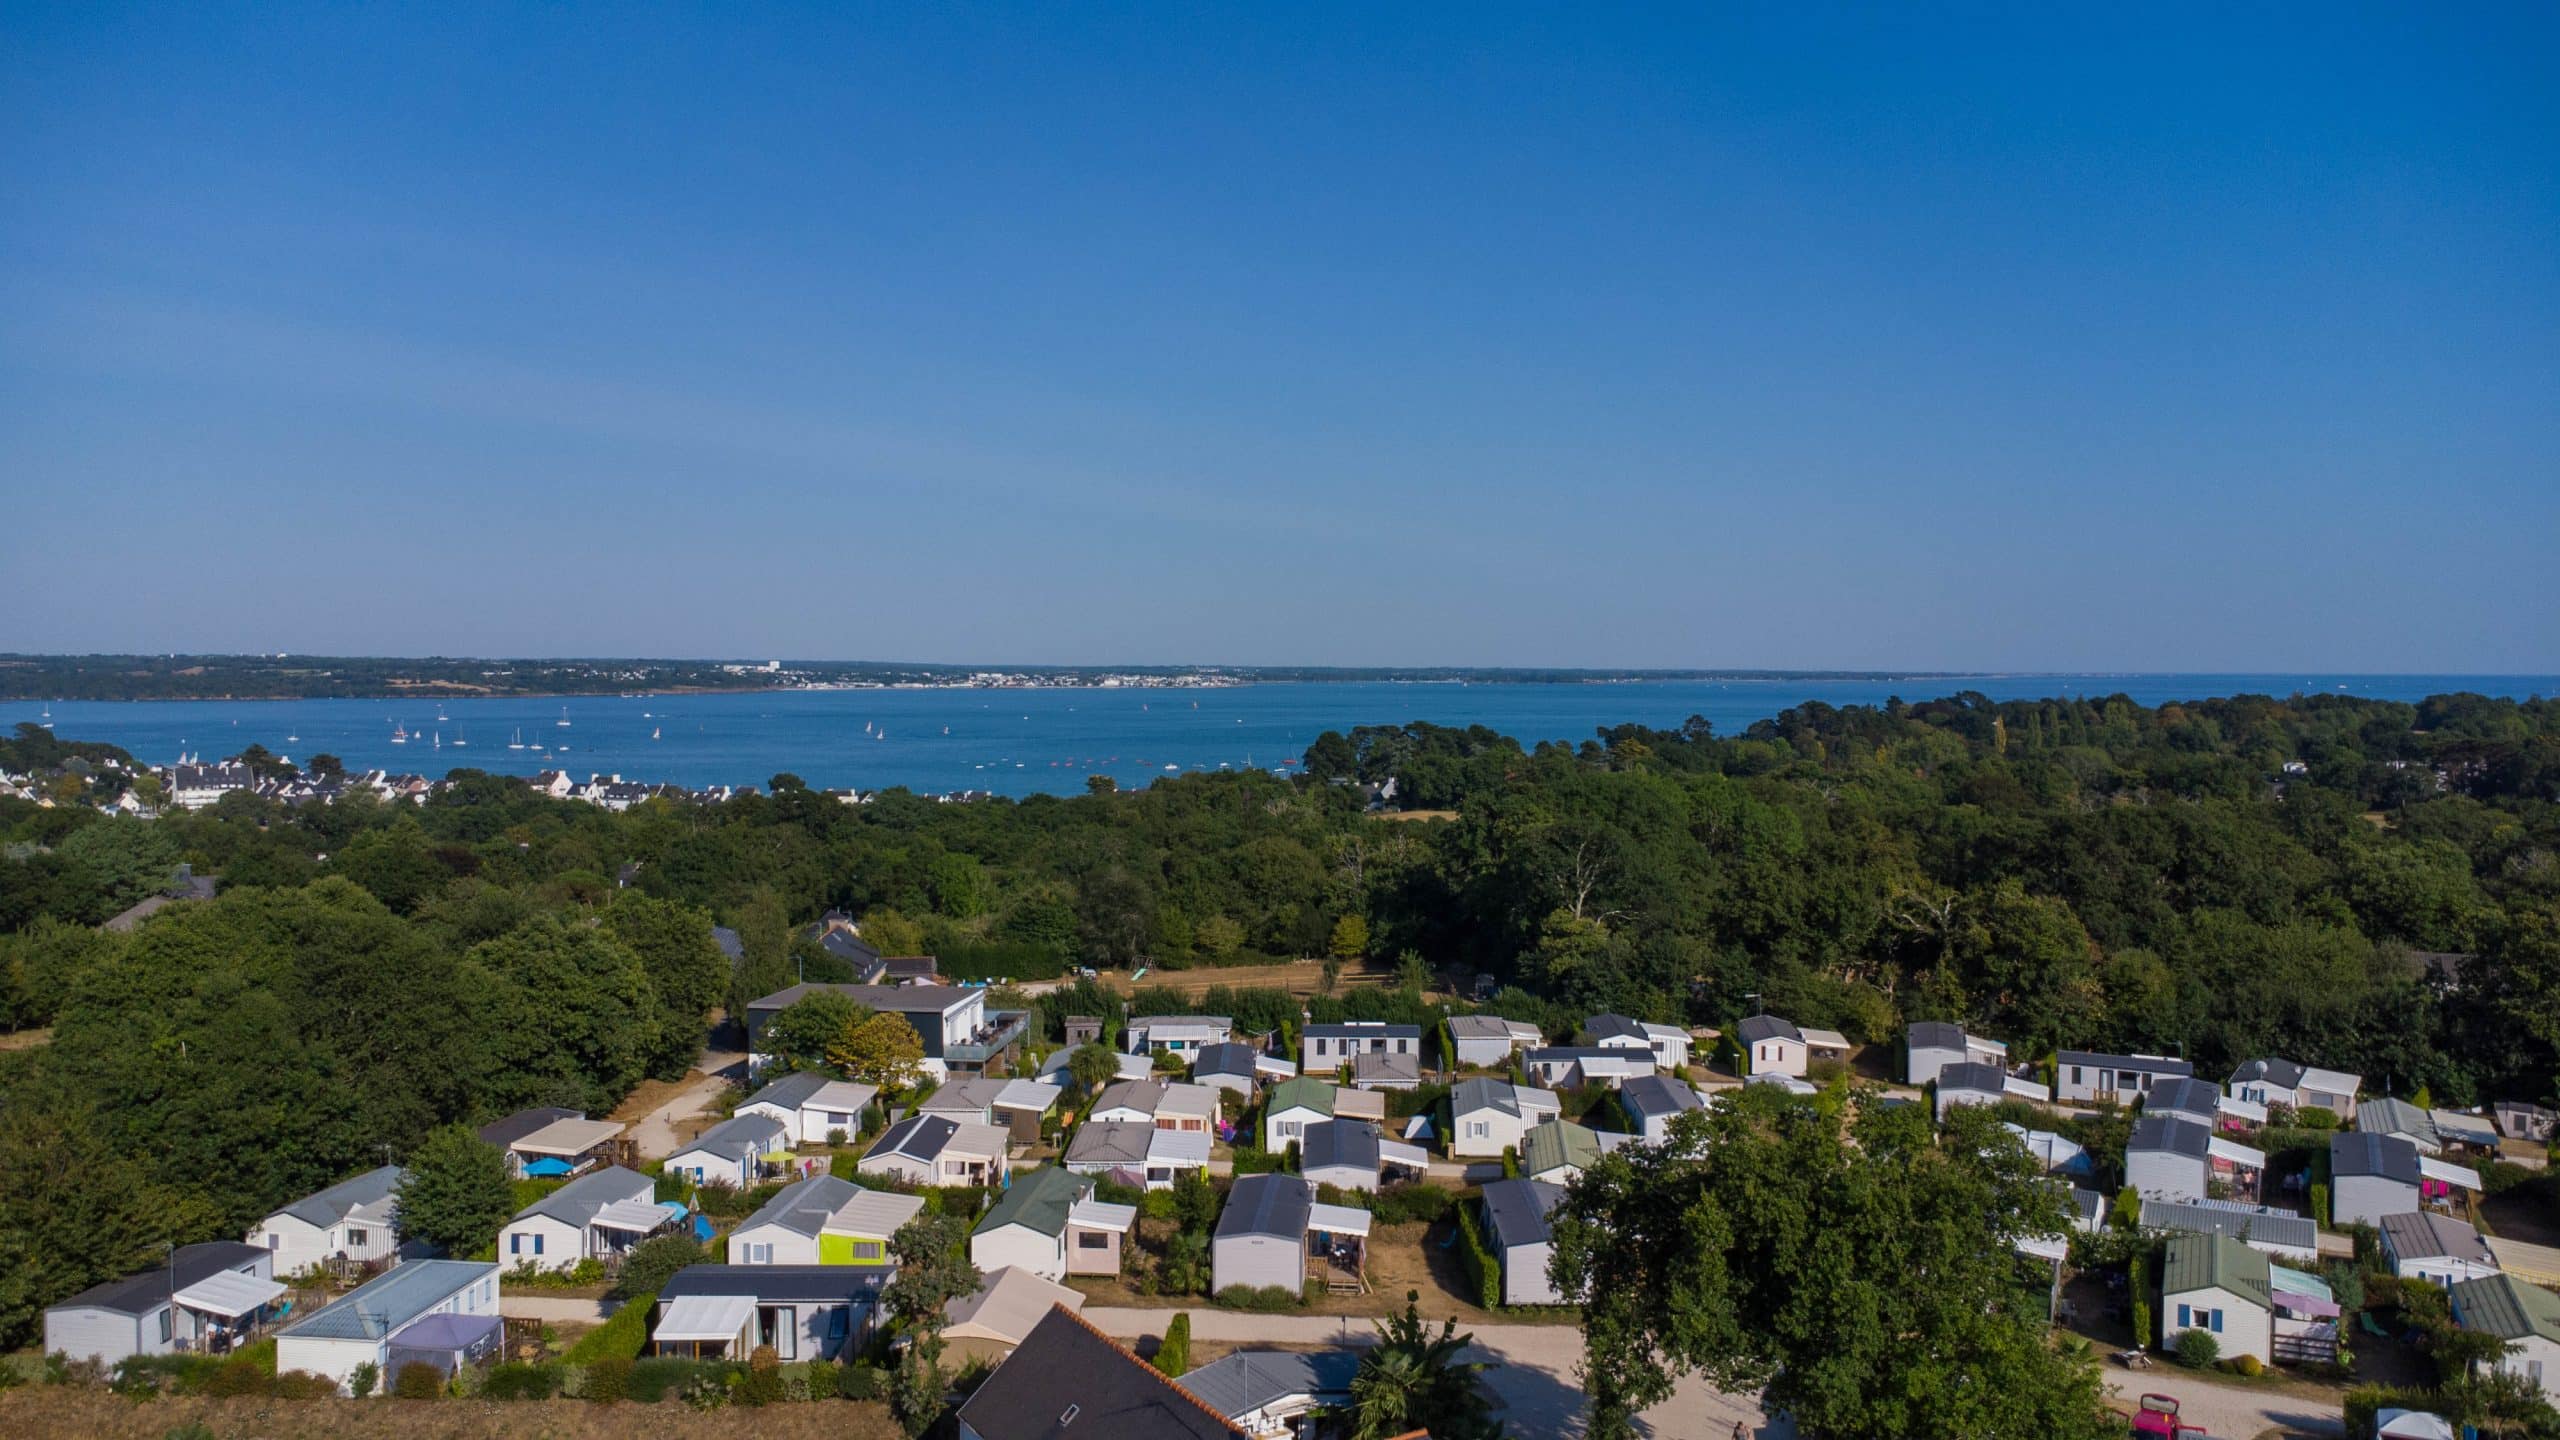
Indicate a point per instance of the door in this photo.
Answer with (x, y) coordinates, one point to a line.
(779, 1327)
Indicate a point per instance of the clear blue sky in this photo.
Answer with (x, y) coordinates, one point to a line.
(2217, 339)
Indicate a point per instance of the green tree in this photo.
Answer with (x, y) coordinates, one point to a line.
(881, 1049)
(456, 1194)
(1218, 936)
(1173, 1354)
(934, 1269)
(1414, 1380)
(1350, 940)
(79, 1211)
(688, 976)
(654, 1262)
(799, 1035)
(891, 933)
(1784, 1262)
(1092, 1067)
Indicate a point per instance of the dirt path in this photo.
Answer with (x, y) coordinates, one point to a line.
(556, 1309)
(659, 1133)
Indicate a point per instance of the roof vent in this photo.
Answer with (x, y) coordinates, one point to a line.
(1069, 1418)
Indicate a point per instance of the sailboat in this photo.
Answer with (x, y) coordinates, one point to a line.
(653, 731)
(441, 716)
(516, 740)
(457, 736)
(399, 733)
(47, 719)
(293, 739)
(564, 717)
(439, 741)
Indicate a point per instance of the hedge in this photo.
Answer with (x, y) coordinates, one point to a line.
(1262, 1299)
(1404, 1204)
(620, 1337)
(1484, 1272)
(1015, 960)
(663, 1377)
(517, 1380)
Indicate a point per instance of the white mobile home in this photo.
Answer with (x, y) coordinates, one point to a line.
(206, 1295)
(351, 1220)
(363, 1326)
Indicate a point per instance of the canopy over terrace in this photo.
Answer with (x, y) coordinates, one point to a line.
(718, 1321)
(447, 1342)
(234, 1304)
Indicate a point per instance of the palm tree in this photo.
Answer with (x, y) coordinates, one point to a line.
(1412, 1379)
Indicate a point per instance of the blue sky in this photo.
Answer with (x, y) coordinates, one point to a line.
(1776, 336)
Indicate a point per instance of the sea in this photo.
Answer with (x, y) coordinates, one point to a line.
(1044, 741)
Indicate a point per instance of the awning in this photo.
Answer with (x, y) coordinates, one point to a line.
(2297, 1282)
(2048, 1248)
(639, 1216)
(2410, 1425)
(1096, 1215)
(2446, 1171)
(567, 1137)
(1338, 1220)
(229, 1294)
(704, 1319)
(546, 1167)
(1411, 1157)
(2235, 1108)
(2236, 1153)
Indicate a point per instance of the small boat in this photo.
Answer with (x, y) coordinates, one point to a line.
(457, 737)
(439, 741)
(292, 739)
(399, 734)
(564, 717)
(516, 741)
(441, 716)
(1173, 767)
(653, 731)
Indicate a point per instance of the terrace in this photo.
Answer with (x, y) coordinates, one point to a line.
(1001, 1033)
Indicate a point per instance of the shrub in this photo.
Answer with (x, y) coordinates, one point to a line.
(2142, 1324)
(836, 1137)
(1262, 1299)
(2320, 1205)
(1476, 1258)
(762, 1384)
(516, 1380)
(669, 1187)
(608, 1379)
(648, 1268)
(1174, 1355)
(820, 1379)
(1158, 1205)
(240, 1377)
(136, 1377)
(303, 1385)
(1249, 1160)
(2196, 1349)
(858, 1382)
(618, 1338)
(417, 1380)
(2248, 1365)
(362, 1379)
(1405, 1204)
(1112, 1192)
(721, 1200)
(1510, 1162)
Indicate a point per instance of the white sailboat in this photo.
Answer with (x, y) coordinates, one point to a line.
(516, 740)
(399, 733)
(438, 743)
(653, 731)
(457, 736)
(564, 717)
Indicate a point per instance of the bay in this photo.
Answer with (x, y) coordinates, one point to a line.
(1032, 741)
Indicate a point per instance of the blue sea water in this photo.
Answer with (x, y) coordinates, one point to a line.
(1021, 742)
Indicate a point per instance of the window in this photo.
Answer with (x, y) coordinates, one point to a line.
(357, 1237)
(1479, 1128)
(2075, 1074)
(274, 1241)
(838, 1119)
(866, 1249)
(760, 1254)
(537, 1244)
(1093, 1240)
(515, 1244)
(164, 1326)
(2185, 1320)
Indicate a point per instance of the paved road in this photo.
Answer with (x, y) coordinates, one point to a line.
(1534, 1375)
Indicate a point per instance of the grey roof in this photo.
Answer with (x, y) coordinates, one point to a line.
(2362, 1152)
(902, 999)
(910, 967)
(1248, 1380)
(2424, 1232)
(506, 1132)
(1614, 1027)
(1121, 1142)
(390, 1300)
(963, 1094)
(1363, 1030)
(918, 1137)
(1768, 1027)
(1516, 1211)
(1335, 1144)
(1384, 1066)
(1652, 1095)
(2187, 1093)
(147, 1290)
(2387, 1116)
(1068, 1381)
(2240, 1222)
(577, 1202)
(2169, 1133)
(845, 945)
(1231, 1058)
(799, 1284)
(791, 1091)
(2089, 1203)
(1483, 1027)
(1469, 1096)
(2147, 1064)
(1267, 1205)
(804, 1205)
(1934, 1035)
(2282, 1074)
(1973, 1075)
(728, 941)
(739, 1135)
(332, 1205)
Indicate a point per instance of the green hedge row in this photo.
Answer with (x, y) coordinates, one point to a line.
(1484, 1272)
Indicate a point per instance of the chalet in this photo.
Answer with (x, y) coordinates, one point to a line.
(1230, 1067)
(1276, 1394)
(2435, 1247)
(2468, 1135)
(1165, 1104)
(1489, 1041)
(2372, 1176)
(1326, 1048)
(1564, 1067)
(1134, 1152)
(602, 1215)
(2087, 1076)
(351, 1222)
(800, 1312)
(1049, 1224)
(823, 1220)
(1274, 1232)
(988, 1323)
(204, 1299)
(1669, 1044)
(1053, 1070)
(1930, 1046)
(2526, 1316)
(1021, 1108)
(2216, 1284)
(566, 1147)
(2297, 1087)
(1067, 1380)
(1558, 1151)
(1181, 1035)
(970, 1098)
(1293, 1106)
(2387, 1116)
(370, 1324)
(960, 1035)
(2175, 1159)
(733, 1152)
(813, 1107)
(1771, 1046)
(1487, 1117)
(2281, 1234)
(504, 1133)
(1355, 1155)
(2520, 1120)
(1515, 1229)
(1968, 1083)
(931, 1150)
(1652, 1102)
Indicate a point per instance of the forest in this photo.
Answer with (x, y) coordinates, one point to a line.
(2365, 885)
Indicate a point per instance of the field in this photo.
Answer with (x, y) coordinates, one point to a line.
(36, 1410)
(1298, 977)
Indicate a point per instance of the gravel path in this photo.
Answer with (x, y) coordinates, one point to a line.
(656, 1134)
